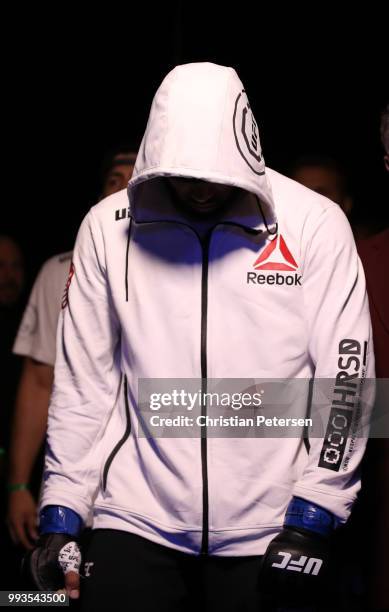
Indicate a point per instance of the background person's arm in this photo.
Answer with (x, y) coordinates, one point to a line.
(28, 433)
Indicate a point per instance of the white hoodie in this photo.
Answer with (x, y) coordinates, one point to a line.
(148, 300)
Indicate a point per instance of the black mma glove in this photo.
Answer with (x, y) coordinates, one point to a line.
(295, 564)
(56, 552)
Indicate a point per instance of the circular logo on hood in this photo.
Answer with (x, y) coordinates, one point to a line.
(246, 134)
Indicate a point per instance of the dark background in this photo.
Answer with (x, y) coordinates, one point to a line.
(80, 84)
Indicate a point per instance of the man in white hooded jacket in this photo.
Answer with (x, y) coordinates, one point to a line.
(210, 266)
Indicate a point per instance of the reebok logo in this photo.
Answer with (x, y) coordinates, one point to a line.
(274, 279)
(307, 565)
(276, 256)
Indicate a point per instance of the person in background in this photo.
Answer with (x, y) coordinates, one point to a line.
(36, 343)
(117, 169)
(324, 175)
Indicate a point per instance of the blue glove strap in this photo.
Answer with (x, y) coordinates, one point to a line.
(59, 519)
(306, 515)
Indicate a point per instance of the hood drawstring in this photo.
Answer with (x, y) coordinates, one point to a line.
(264, 220)
(127, 249)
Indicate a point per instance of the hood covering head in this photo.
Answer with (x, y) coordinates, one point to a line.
(201, 126)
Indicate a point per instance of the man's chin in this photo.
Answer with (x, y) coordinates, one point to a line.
(204, 209)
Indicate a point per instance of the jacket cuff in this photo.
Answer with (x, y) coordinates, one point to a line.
(303, 514)
(59, 519)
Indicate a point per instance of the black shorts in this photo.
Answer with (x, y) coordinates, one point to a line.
(124, 572)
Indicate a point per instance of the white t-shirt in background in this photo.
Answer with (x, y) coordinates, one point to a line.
(36, 336)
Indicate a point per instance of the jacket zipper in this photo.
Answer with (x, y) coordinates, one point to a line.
(118, 446)
(205, 242)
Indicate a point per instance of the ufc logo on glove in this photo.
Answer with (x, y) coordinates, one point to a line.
(311, 567)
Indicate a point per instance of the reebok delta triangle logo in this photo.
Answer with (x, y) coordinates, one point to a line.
(276, 256)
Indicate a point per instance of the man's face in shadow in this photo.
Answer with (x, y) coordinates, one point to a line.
(200, 197)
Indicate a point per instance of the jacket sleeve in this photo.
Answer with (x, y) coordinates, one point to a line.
(86, 377)
(340, 347)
